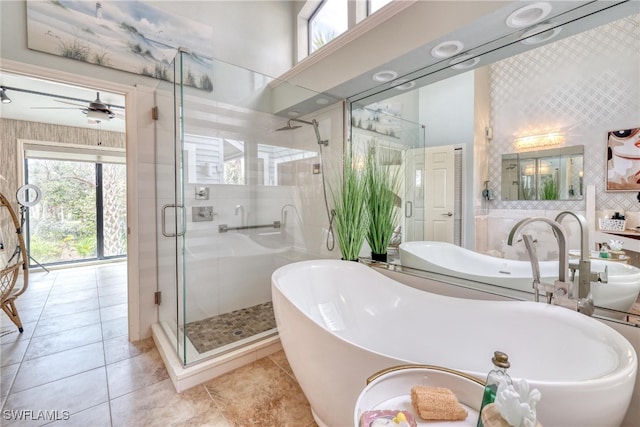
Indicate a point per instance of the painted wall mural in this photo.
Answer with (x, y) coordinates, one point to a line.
(131, 36)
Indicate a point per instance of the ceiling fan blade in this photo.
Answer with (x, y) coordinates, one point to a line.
(55, 108)
(70, 103)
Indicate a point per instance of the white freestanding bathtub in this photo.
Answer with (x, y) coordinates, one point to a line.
(619, 293)
(341, 321)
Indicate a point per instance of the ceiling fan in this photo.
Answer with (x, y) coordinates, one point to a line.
(95, 110)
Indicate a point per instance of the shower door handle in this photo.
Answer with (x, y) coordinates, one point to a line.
(164, 216)
(408, 209)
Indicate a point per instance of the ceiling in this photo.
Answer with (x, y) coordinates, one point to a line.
(487, 38)
(39, 100)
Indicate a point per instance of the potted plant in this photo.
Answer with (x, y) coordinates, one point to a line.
(382, 184)
(349, 211)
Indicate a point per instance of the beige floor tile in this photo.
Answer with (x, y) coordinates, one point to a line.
(115, 299)
(114, 312)
(55, 366)
(260, 394)
(134, 373)
(69, 296)
(121, 348)
(10, 333)
(115, 328)
(27, 314)
(119, 289)
(67, 322)
(7, 374)
(280, 359)
(61, 341)
(13, 352)
(73, 394)
(97, 416)
(62, 309)
(160, 405)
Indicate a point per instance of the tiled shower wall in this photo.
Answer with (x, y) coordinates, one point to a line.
(583, 86)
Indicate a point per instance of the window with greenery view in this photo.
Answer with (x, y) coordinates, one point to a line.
(82, 213)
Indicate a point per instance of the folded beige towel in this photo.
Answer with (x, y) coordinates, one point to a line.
(437, 403)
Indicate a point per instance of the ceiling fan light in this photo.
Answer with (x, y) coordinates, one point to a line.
(97, 115)
(3, 95)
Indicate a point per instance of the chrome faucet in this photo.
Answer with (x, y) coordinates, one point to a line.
(559, 292)
(585, 275)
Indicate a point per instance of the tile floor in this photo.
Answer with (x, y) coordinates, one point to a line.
(74, 366)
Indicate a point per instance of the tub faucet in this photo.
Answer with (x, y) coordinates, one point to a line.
(584, 264)
(558, 293)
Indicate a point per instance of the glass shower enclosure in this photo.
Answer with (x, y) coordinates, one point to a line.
(235, 200)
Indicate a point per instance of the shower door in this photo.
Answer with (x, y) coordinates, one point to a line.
(170, 210)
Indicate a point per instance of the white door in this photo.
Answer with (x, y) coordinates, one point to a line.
(439, 194)
(413, 208)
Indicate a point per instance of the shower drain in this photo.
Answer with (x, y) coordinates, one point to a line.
(238, 332)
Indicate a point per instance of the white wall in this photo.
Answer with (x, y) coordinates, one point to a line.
(252, 34)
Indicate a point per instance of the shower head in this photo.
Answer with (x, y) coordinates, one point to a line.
(313, 123)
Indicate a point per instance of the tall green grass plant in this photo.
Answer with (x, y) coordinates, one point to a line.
(350, 213)
(382, 184)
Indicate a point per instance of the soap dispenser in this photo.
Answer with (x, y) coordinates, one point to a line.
(501, 363)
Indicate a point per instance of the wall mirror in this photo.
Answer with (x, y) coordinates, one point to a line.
(545, 174)
(551, 174)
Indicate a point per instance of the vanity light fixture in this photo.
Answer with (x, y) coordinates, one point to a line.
(3, 96)
(536, 141)
(528, 15)
(447, 49)
(384, 76)
(464, 61)
(540, 34)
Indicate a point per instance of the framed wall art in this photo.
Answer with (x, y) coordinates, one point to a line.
(623, 160)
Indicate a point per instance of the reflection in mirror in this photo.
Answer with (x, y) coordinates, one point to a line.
(536, 93)
(552, 174)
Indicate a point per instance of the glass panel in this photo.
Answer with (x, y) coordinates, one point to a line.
(231, 193)
(402, 142)
(62, 227)
(327, 23)
(114, 208)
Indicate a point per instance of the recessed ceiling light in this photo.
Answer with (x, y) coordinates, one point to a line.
(403, 84)
(528, 15)
(322, 101)
(293, 113)
(385, 76)
(447, 49)
(540, 34)
(464, 61)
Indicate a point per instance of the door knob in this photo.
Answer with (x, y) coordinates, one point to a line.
(448, 214)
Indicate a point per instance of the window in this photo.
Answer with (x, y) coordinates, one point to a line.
(375, 5)
(319, 22)
(82, 214)
(328, 21)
